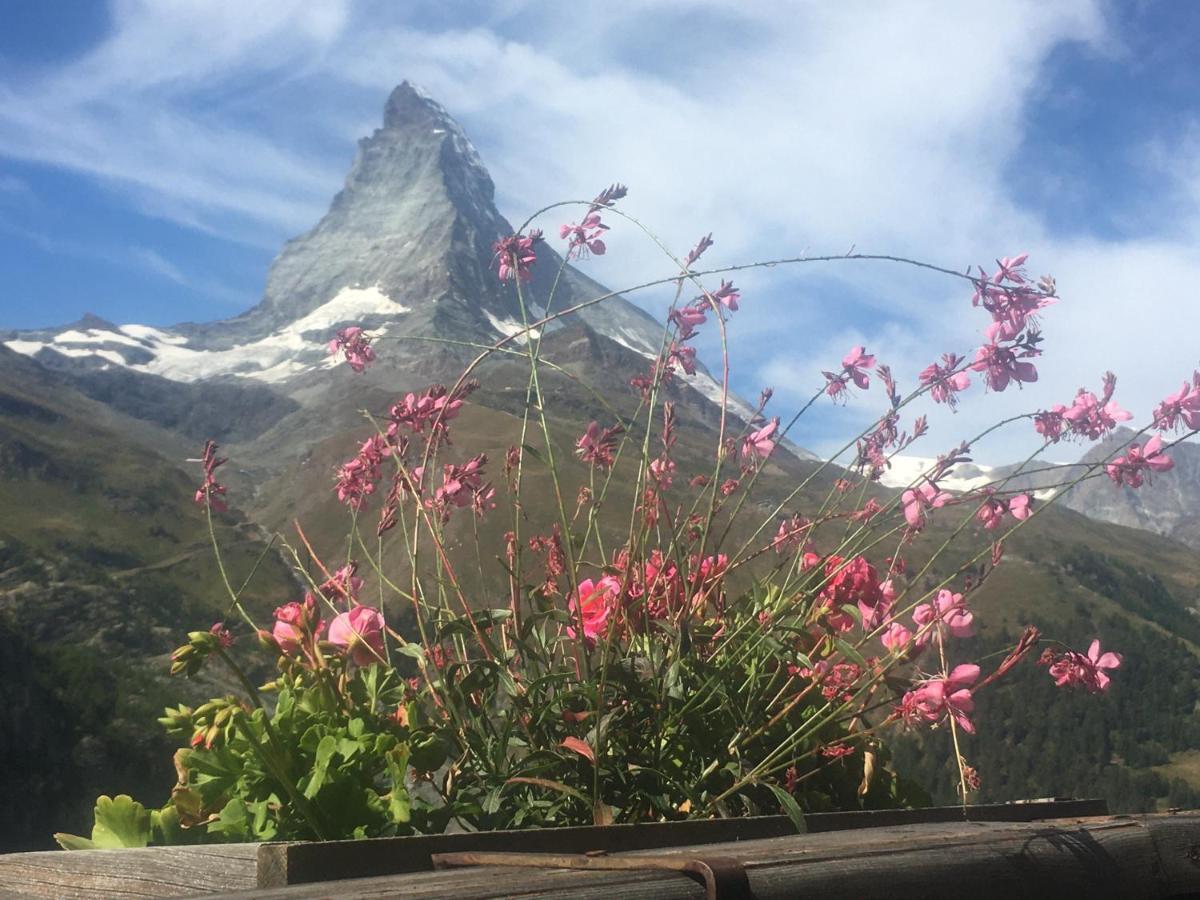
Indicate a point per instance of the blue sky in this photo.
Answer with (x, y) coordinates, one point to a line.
(154, 156)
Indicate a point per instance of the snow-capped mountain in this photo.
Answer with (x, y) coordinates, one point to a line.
(406, 251)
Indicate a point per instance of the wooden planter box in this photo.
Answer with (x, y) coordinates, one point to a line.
(1042, 848)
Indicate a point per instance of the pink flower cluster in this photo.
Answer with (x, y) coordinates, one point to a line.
(585, 237)
(516, 256)
(853, 371)
(1012, 301)
(854, 583)
(598, 446)
(945, 380)
(1128, 469)
(1088, 417)
(593, 603)
(356, 479)
(917, 501)
(210, 493)
(991, 513)
(356, 347)
(463, 486)
(1074, 669)
(937, 699)
(1182, 408)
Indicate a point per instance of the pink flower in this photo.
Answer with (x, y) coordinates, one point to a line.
(991, 513)
(224, 636)
(687, 318)
(951, 609)
(790, 536)
(895, 637)
(761, 443)
(1072, 668)
(209, 493)
(1183, 406)
(359, 633)
(584, 237)
(938, 698)
(917, 500)
(1001, 365)
(356, 479)
(1093, 417)
(1128, 469)
(854, 362)
(727, 295)
(355, 345)
(694, 254)
(516, 257)
(294, 623)
(1050, 423)
(598, 446)
(594, 602)
(944, 381)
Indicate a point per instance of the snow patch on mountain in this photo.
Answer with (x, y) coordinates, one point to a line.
(298, 347)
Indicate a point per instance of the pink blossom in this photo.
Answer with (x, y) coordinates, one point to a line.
(917, 500)
(584, 237)
(224, 636)
(1183, 406)
(1128, 469)
(944, 382)
(761, 443)
(355, 345)
(991, 513)
(727, 295)
(682, 356)
(1072, 668)
(951, 609)
(694, 254)
(1050, 423)
(344, 584)
(895, 637)
(516, 256)
(359, 633)
(1001, 365)
(938, 698)
(594, 602)
(854, 362)
(210, 493)
(790, 536)
(357, 478)
(430, 410)
(461, 487)
(294, 623)
(598, 446)
(687, 318)
(1092, 417)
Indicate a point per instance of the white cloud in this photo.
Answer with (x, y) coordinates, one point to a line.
(778, 127)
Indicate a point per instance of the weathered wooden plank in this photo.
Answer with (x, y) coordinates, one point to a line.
(1176, 839)
(195, 870)
(299, 863)
(112, 874)
(1114, 857)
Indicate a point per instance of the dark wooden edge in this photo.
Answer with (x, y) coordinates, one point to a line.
(282, 864)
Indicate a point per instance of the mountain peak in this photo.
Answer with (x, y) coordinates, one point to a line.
(410, 105)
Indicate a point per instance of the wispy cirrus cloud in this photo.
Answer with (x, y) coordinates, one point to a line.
(902, 128)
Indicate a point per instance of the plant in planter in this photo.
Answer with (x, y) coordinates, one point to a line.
(673, 624)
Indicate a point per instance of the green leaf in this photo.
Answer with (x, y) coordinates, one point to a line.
(790, 807)
(73, 841)
(399, 801)
(416, 651)
(120, 822)
(325, 750)
(534, 453)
